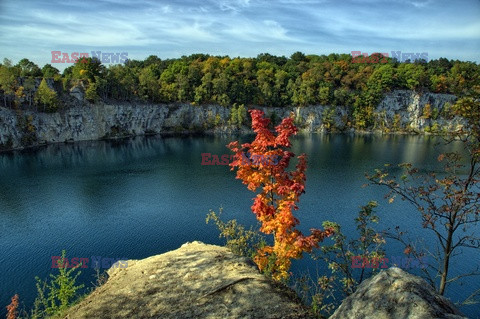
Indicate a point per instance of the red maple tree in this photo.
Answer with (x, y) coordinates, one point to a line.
(280, 190)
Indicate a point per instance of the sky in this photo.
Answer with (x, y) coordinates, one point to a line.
(169, 29)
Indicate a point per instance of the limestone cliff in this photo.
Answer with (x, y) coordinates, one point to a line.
(84, 121)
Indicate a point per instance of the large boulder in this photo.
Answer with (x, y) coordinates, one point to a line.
(194, 281)
(396, 294)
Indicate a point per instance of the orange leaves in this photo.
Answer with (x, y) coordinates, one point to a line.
(12, 311)
(407, 250)
(279, 191)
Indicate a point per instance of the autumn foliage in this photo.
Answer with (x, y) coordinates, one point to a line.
(12, 311)
(279, 192)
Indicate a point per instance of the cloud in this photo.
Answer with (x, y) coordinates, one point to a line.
(233, 5)
(421, 4)
(239, 27)
(258, 31)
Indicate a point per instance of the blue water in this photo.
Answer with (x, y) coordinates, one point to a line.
(144, 196)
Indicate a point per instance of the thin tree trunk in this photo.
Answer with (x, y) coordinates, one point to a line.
(446, 261)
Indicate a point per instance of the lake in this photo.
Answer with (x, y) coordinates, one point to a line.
(147, 195)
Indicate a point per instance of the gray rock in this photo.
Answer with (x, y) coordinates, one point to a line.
(410, 105)
(396, 294)
(84, 121)
(78, 93)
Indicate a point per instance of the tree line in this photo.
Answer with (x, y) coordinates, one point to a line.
(266, 80)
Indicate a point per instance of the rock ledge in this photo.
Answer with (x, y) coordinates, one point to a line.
(194, 281)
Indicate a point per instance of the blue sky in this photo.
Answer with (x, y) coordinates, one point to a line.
(169, 29)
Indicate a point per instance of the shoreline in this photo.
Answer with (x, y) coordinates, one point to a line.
(200, 134)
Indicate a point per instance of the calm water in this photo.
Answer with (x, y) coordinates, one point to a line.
(145, 196)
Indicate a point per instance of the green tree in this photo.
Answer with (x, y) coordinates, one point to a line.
(238, 115)
(87, 69)
(8, 82)
(91, 93)
(324, 95)
(266, 82)
(204, 92)
(46, 97)
(28, 68)
(49, 71)
(328, 118)
(241, 114)
(282, 95)
(380, 82)
(173, 82)
(221, 89)
(413, 76)
(233, 115)
(148, 83)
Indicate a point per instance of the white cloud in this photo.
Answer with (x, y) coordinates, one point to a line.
(255, 31)
(420, 4)
(234, 5)
(239, 27)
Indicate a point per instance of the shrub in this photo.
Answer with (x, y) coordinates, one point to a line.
(241, 241)
(55, 296)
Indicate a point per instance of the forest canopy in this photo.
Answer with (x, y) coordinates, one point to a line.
(265, 80)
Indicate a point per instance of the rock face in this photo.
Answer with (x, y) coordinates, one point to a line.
(84, 121)
(194, 281)
(396, 294)
(78, 93)
(97, 121)
(409, 105)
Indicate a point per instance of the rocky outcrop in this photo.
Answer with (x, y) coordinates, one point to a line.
(84, 121)
(410, 106)
(396, 294)
(194, 281)
(206, 281)
(78, 92)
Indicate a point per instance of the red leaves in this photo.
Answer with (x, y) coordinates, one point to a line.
(12, 311)
(284, 131)
(279, 192)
